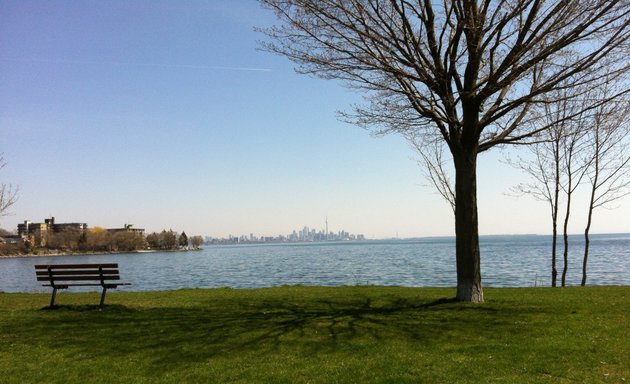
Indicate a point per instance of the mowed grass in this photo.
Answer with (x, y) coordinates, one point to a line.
(318, 335)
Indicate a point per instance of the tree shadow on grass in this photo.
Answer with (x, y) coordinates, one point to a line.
(166, 337)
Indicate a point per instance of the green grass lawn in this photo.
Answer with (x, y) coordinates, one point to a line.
(318, 335)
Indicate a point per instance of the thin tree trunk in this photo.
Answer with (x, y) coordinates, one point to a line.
(586, 246)
(554, 245)
(554, 218)
(591, 204)
(466, 229)
(586, 233)
(566, 239)
(554, 240)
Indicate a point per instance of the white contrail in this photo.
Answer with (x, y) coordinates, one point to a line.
(132, 64)
(193, 66)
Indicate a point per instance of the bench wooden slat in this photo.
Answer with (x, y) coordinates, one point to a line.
(77, 278)
(59, 272)
(72, 266)
(86, 285)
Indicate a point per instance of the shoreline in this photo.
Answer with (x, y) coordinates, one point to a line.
(59, 253)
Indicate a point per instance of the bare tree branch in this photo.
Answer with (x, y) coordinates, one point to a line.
(434, 166)
(609, 166)
(8, 193)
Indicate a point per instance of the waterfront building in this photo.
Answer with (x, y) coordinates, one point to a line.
(127, 228)
(37, 233)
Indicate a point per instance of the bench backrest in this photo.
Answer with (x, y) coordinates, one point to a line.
(61, 274)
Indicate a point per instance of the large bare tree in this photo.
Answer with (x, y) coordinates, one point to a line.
(468, 72)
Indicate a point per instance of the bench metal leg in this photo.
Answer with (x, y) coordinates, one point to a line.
(52, 299)
(103, 297)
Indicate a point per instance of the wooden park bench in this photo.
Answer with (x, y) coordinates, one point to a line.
(62, 276)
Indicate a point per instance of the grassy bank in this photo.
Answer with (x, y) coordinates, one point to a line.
(318, 335)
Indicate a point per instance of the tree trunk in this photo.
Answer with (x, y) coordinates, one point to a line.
(565, 236)
(466, 229)
(554, 213)
(587, 240)
(585, 260)
(554, 246)
(591, 203)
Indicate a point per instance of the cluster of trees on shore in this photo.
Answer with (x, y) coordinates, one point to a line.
(99, 239)
(169, 240)
(8, 248)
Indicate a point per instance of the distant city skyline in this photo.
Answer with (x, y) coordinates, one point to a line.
(306, 234)
(165, 115)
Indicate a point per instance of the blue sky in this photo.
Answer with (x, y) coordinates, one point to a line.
(164, 114)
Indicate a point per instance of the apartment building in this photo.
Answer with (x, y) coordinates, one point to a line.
(37, 233)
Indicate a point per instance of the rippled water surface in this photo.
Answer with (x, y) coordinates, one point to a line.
(506, 261)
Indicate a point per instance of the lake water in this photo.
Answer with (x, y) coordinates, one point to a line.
(506, 261)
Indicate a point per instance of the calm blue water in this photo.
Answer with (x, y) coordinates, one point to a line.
(506, 261)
